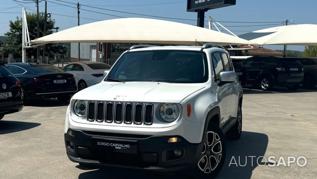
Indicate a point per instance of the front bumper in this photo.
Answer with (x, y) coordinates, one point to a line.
(143, 152)
(8, 107)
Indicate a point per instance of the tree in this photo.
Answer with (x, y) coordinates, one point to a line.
(310, 51)
(13, 43)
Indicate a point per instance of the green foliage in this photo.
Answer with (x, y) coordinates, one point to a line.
(13, 40)
(310, 51)
(13, 43)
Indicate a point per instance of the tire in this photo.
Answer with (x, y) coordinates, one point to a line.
(82, 85)
(212, 157)
(265, 83)
(236, 130)
(1, 116)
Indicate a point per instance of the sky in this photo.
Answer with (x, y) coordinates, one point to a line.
(245, 16)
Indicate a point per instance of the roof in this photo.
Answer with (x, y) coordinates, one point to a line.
(185, 48)
(85, 62)
(191, 48)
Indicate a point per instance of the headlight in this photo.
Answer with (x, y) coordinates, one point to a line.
(169, 112)
(80, 108)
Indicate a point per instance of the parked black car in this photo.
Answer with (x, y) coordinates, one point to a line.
(269, 72)
(11, 95)
(310, 72)
(43, 81)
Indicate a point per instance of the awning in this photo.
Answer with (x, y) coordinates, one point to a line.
(301, 34)
(140, 30)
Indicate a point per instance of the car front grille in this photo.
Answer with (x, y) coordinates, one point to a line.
(120, 112)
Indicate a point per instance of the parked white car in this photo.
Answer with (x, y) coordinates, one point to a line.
(87, 73)
(159, 108)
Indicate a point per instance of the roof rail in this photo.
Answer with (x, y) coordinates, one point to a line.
(210, 45)
(140, 46)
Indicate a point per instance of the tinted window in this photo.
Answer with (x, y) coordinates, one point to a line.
(15, 69)
(99, 66)
(42, 69)
(4, 72)
(217, 64)
(308, 61)
(290, 62)
(161, 65)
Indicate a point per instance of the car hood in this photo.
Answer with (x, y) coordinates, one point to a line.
(139, 92)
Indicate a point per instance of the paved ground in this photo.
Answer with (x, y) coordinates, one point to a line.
(279, 125)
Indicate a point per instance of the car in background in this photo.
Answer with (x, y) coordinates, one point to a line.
(310, 72)
(87, 73)
(11, 94)
(237, 62)
(269, 72)
(43, 81)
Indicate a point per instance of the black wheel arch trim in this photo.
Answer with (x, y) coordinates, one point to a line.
(215, 112)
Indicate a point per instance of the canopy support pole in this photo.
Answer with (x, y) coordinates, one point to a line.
(201, 18)
(285, 46)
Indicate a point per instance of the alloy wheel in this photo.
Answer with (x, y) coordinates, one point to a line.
(211, 155)
(81, 85)
(265, 84)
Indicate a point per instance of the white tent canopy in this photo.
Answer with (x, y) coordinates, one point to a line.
(301, 34)
(140, 30)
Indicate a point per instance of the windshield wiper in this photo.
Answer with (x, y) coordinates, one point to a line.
(113, 80)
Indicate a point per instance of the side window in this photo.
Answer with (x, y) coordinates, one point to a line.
(77, 67)
(226, 62)
(15, 70)
(68, 68)
(217, 64)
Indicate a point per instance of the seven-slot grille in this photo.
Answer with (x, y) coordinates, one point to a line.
(120, 112)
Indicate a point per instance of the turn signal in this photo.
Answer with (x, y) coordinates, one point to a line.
(189, 110)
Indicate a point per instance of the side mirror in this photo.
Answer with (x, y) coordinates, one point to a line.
(105, 73)
(228, 76)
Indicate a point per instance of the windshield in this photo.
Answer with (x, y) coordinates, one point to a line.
(171, 66)
(43, 69)
(4, 72)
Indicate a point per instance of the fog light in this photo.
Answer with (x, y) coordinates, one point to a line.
(173, 140)
(174, 154)
(70, 133)
(178, 153)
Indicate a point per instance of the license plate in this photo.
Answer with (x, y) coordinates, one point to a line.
(5, 95)
(59, 81)
(293, 69)
(118, 147)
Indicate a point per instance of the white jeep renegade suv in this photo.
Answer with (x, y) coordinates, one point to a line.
(159, 108)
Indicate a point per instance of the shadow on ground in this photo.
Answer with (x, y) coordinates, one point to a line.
(242, 155)
(250, 144)
(45, 103)
(7, 127)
